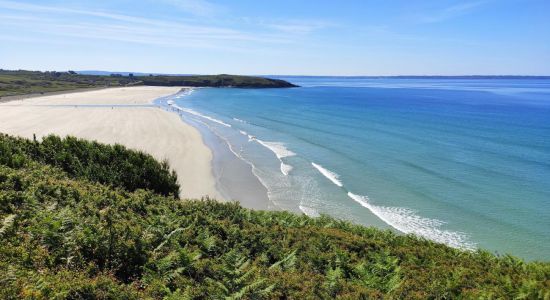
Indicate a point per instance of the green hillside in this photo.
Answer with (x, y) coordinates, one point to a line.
(22, 82)
(34, 82)
(216, 81)
(71, 227)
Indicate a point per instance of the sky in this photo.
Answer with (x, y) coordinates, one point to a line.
(283, 37)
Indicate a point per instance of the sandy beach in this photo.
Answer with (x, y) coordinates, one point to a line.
(147, 128)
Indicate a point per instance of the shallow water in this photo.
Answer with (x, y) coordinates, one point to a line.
(464, 162)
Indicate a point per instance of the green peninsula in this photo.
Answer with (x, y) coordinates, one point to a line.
(21, 82)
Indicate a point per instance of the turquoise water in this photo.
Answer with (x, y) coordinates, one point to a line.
(463, 162)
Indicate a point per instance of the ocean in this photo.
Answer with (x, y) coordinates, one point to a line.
(465, 162)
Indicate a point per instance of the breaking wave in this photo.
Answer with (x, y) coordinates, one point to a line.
(250, 137)
(239, 120)
(281, 152)
(190, 111)
(407, 221)
(328, 174)
(402, 219)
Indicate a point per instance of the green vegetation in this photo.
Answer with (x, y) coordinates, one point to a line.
(66, 235)
(110, 165)
(33, 82)
(215, 81)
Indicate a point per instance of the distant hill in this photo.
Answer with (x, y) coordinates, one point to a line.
(216, 81)
(107, 73)
(222, 80)
(22, 82)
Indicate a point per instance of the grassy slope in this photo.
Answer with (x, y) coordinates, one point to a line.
(29, 82)
(66, 235)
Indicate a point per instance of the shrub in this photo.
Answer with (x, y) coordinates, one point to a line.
(111, 165)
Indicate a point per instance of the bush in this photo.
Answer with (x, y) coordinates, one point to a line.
(111, 165)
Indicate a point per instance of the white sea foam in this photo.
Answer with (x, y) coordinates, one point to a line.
(190, 111)
(239, 155)
(281, 152)
(309, 211)
(250, 137)
(407, 221)
(213, 130)
(328, 174)
(239, 120)
(402, 219)
(278, 148)
(285, 168)
(184, 92)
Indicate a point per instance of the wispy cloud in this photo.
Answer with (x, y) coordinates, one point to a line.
(201, 8)
(297, 26)
(92, 24)
(381, 36)
(449, 12)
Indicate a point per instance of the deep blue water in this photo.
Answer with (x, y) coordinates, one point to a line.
(464, 162)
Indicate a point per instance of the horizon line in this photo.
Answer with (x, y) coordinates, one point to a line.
(285, 75)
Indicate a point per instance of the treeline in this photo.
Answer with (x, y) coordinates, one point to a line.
(111, 165)
(63, 236)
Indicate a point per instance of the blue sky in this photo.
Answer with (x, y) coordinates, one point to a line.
(308, 37)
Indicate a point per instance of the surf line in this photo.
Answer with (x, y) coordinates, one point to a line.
(403, 219)
(195, 113)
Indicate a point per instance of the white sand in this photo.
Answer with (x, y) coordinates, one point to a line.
(150, 129)
(124, 95)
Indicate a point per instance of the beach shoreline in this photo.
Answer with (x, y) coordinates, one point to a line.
(235, 179)
(125, 116)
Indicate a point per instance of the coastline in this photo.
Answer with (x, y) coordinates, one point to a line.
(119, 115)
(235, 179)
(293, 178)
